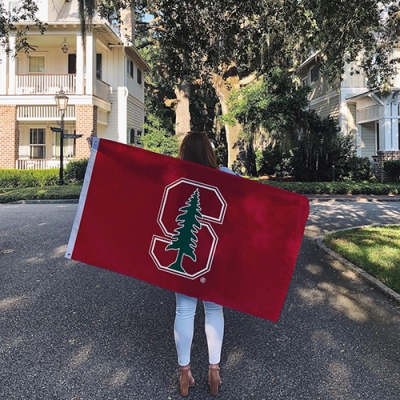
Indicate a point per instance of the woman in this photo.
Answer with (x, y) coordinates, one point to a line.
(196, 147)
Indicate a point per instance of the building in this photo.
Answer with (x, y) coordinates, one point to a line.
(372, 117)
(103, 79)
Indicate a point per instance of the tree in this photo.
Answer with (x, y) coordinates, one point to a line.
(272, 109)
(16, 22)
(185, 239)
(158, 138)
(230, 43)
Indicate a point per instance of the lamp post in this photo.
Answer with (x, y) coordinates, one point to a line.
(61, 102)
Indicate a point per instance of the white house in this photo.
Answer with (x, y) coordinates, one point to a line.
(372, 117)
(103, 79)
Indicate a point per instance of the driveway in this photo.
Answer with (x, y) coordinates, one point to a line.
(72, 331)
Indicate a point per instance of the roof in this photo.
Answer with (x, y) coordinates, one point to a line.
(309, 60)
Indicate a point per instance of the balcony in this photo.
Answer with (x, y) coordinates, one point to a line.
(45, 84)
(39, 84)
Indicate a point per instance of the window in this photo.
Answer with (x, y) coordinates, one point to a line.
(72, 63)
(36, 64)
(139, 76)
(131, 136)
(134, 137)
(37, 143)
(98, 66)
(314, 73)
(129, 66)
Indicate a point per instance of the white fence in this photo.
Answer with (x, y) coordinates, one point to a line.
(45, 84)
(39, 164)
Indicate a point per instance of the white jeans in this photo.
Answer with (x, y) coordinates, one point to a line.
(184, 326)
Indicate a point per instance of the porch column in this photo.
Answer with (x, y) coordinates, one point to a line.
(385, 126)
(80, 89)
(3, 71)
(11, 66)
(86, 125)
(90, 63)
(9, 136)
(395, 126)
(358, 140)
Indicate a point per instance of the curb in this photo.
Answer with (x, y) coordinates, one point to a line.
(387, 291)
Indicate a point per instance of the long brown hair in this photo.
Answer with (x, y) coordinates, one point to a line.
(196, 147)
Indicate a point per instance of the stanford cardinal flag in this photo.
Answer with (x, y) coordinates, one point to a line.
(188, 228)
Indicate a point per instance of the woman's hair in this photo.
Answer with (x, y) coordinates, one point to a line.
(196, 147)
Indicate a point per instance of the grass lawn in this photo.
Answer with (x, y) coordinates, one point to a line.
(375, 249)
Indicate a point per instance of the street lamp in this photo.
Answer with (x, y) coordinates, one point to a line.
(61, 102)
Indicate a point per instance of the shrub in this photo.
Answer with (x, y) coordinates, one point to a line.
(16, 178)
(354, 168)
(392, 169)
(75, 170)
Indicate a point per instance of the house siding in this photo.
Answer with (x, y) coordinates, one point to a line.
(326, 105)
(135, 114)
(112, 129)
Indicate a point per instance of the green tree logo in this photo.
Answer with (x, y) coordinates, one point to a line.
(185, 239)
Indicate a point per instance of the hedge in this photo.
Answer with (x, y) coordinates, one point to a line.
(74, 172)
(22, 178)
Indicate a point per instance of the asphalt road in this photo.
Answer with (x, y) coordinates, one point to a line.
(72, 331)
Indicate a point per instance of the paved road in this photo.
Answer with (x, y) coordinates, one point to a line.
(71, 331)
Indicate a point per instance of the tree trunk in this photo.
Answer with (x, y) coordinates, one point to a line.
(232, 132)
(182, 112)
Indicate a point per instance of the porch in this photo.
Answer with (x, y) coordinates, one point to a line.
(40, 84)
(39, 164)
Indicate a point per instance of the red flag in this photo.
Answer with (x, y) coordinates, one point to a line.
(188, 228)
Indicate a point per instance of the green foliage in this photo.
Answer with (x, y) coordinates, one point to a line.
(56, 192)
(273, 161)
(16, 178)
(355, 169)
(75, 170)
(158, 138)
(336, 187)
(320, 147)
(13, 23)
(275, 104)
(300, 143)
(392, 169)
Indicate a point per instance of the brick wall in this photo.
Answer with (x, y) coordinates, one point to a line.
(380, 159)
(86, 125)
(9, 137)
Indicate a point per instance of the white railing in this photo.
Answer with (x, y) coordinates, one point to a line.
(102, 89)
(39, 164)
(43, 113)
(45, 84)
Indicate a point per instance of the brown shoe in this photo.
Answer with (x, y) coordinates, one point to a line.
(186, 380)
(213, 379)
